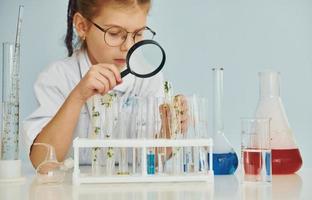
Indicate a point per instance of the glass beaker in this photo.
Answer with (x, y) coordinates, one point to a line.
(256, 150)
(225, 159)
(286, 158)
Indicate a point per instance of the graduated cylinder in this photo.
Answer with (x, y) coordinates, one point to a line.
(10, 103)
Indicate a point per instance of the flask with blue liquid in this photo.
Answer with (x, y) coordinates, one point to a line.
(225, 159)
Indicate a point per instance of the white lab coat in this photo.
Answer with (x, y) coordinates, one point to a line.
(56, 82)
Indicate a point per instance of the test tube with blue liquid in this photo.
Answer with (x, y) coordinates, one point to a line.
(150, 161)
(152, 128)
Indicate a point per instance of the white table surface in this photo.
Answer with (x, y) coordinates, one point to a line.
(297, 186)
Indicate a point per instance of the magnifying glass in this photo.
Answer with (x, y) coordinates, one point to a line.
(144, 59)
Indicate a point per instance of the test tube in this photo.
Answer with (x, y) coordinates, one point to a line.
(150, 107)
(163, 130)
(176, 125)
(196, 150)
(109, 104)
(96, 131)
(187, 151)
(203, 131)
(124, 116)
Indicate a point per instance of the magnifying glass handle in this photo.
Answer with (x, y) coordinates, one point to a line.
(124, 73)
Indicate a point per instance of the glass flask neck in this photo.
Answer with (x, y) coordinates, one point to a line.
(218, 126)
(269, 84)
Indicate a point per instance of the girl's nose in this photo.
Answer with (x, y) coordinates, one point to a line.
(127, 44)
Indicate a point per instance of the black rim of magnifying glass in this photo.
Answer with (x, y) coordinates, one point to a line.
(132, 49)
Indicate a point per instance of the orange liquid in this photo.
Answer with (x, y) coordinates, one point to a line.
(286, 161)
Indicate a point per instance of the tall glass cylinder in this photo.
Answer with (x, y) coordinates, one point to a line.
(10, 103)
(218, 127)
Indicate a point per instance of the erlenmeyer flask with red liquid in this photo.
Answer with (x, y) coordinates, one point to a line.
(286, 158)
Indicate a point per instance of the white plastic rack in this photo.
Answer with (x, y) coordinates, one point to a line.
(143, 144)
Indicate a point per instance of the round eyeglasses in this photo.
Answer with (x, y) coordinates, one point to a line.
(116, 35)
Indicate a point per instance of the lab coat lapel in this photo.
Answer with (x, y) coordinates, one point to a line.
(85, 64)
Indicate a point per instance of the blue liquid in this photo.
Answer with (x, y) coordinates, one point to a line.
(224, 163)
(187, 161)
(150, 163)
(268, 163)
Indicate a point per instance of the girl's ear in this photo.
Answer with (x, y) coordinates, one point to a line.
(81, 25)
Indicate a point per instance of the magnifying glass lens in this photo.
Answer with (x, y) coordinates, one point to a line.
(145, 59)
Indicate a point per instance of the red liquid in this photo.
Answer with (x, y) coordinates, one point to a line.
(286, 161)
(252, 162)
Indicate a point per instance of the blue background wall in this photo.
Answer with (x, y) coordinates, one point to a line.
(243, 36)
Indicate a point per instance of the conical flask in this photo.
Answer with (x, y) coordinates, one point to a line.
(286, 158)
(225, 159)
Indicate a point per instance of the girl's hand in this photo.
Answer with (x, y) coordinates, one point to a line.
(100, 79)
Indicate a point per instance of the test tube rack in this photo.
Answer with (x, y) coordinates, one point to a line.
(143, 145)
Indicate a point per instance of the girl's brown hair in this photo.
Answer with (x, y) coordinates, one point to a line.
(90, 9)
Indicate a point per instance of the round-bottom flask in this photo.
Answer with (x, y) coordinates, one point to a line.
(225, 159)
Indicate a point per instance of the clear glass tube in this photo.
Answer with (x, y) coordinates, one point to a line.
(109, 103)
(125, 109)
(164, 132)
(96, 131)
(10, 105)
(10, 95)
(173, 112)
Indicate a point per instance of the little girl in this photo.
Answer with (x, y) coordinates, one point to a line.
(106, 29)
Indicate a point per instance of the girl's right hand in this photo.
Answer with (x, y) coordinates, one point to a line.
(100, 79)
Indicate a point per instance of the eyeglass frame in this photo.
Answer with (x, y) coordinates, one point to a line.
(134, 33)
